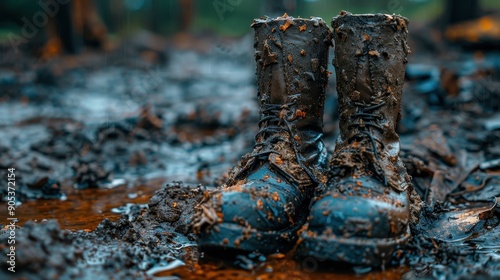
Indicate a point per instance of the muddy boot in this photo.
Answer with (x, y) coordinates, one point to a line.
(265, 201)
(361, 215)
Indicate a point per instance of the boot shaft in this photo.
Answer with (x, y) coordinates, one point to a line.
(292, 56)
(370, 58)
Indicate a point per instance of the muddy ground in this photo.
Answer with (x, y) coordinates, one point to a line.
(93, 136)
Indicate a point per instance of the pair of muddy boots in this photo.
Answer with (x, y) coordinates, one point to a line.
(354, 209)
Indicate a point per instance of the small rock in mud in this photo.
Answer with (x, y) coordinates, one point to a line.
(175, 204)
(91, 175)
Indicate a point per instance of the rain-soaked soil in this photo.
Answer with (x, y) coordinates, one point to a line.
(113, 150)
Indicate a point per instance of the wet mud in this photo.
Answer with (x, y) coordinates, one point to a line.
(93, 138)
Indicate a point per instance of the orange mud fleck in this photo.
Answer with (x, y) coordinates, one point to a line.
(220, 215)
(277, 256)
(270, 216)
(290, 58)
(394, 228)
(237, 243)
(260, 204)
(302, 28)
(374, 53)
(246, 234)
(276, 196)
(287, 23)
(355, 144)
(401, 23)
(279, 160)
(282, 114)
(300, 113)
(238, 186)
(199, 175)
(285, 26)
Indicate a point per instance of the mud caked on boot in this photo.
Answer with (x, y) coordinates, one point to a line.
(265, 200)
(361, 215)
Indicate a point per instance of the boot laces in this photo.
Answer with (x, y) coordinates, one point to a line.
(275, 119)
(366, 118)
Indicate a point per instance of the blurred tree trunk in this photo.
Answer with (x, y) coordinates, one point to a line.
(154, 16)
(116, 12)
(70, 37)
(187, 10)
(461, 10)
(75, 24)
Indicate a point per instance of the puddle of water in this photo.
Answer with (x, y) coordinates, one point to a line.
(275, 268)
(84, 209)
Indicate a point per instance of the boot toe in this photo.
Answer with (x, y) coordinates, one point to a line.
(361, 208)
(259, 205)
(358, 222)
(256, 215)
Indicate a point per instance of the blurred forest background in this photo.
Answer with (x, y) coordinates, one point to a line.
(225, 17)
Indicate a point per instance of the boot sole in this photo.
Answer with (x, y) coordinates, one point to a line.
(352, 251)
(227, 240)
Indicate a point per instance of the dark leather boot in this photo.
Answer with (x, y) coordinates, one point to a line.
(266, 199)
(362, 214)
